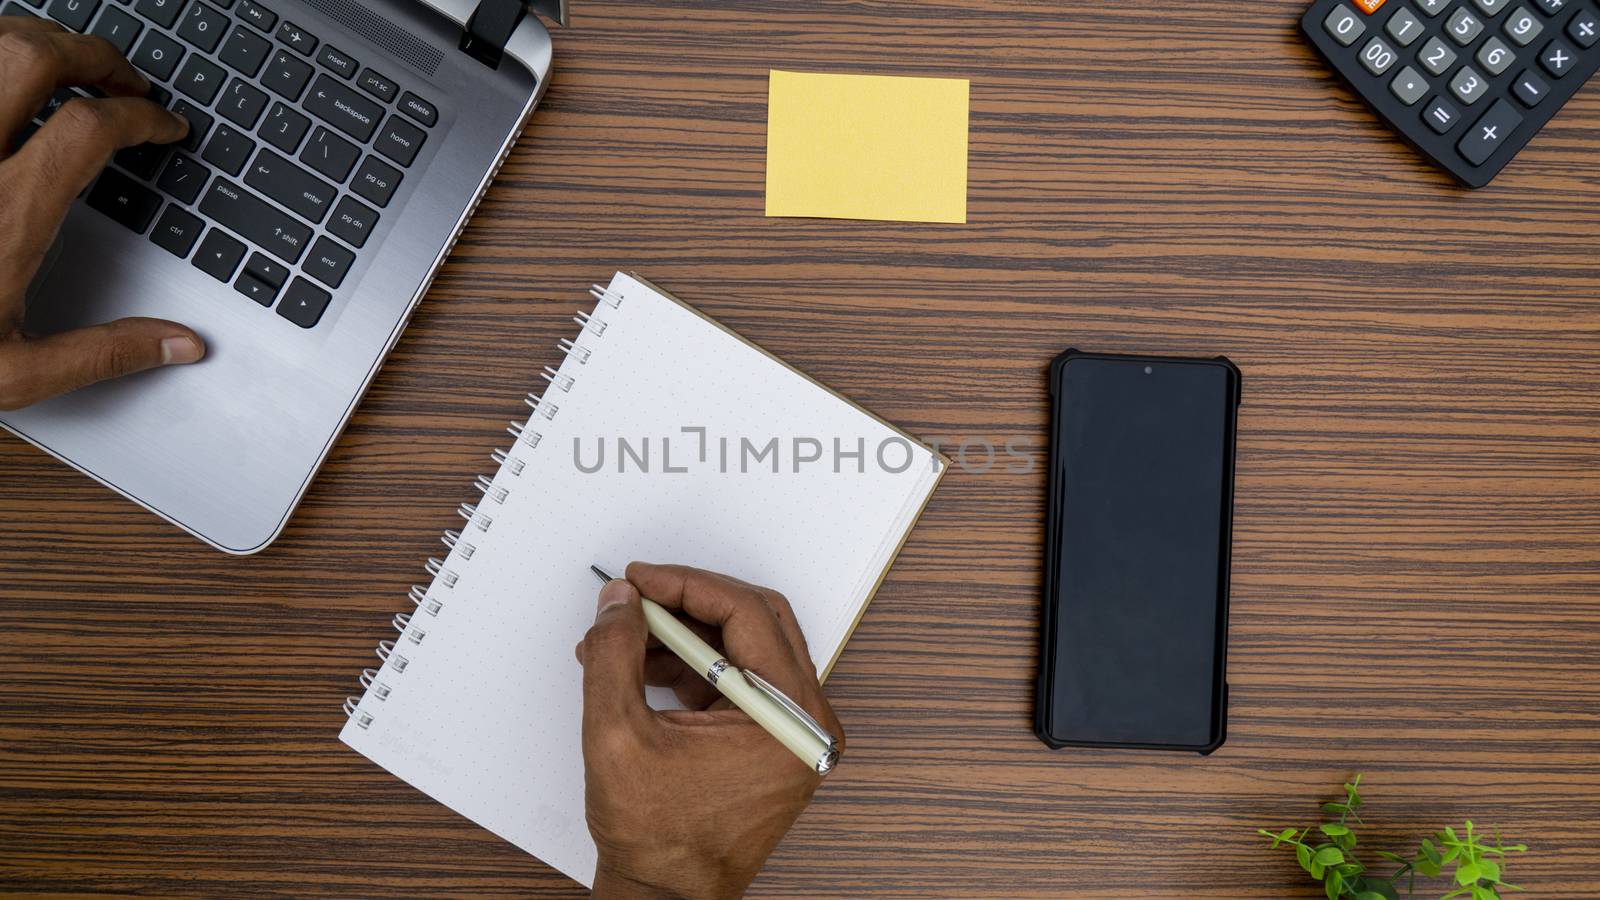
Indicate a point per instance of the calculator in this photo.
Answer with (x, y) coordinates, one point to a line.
(1466, 82)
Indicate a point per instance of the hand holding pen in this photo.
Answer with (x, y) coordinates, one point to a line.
(690, 802)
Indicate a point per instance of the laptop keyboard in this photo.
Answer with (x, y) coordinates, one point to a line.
(294, 152)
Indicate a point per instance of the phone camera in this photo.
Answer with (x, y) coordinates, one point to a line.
(1148, 370)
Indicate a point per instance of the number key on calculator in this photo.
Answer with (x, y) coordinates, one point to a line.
(1466, 82)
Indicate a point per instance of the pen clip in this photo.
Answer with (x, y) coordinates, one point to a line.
(793, 708)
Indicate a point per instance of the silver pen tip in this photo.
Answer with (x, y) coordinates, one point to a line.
(601, 574)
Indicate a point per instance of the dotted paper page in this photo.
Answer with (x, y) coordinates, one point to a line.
(658, 442)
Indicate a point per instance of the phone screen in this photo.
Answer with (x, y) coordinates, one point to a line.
(1143, 497)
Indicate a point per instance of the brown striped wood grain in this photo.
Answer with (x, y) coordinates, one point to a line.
(1417, 554)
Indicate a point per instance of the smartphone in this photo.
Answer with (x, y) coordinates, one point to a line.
(1134, 633)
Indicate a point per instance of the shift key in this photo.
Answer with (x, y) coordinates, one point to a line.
(255, 220)
(294, 187)
(343, 108)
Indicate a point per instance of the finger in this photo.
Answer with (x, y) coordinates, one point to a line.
(34, 370)
(786, 618)
(613, 660)
(56, 164)
(37, 61)
(663, 668)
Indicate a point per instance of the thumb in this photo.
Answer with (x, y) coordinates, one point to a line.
(38, 369)
(613, 657)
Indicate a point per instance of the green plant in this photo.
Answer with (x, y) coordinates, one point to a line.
(1474, 865)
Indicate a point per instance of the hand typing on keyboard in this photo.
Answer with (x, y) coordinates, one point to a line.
(37, 185)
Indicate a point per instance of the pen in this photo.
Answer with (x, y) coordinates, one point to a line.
(769, 707)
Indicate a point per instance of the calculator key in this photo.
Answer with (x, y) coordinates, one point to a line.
(1463, 26)
(228, 150)
(399, 140)
(245, 51)
(117, 27)
(1558, 58)
(346, 110)
(75, 14)
(261, 18)
(1495, 56)
(1404, 27)
(1409, 86)
(218, 255)
(242, 104)
(287, 76)
(176, 231)
(1522, 27)
(183, 178)
(328, 262)
(1584, 29)
(1489, 132)
(1431, 8)
(256, 289)
(1491, 8)
(1343, 25)
(338, 62)
(291, 186)
(1551, 7)
(1468, 86)
(157, 54)
(352, 222)
(1440, 115)
(1370, 6)
(330, 154)
(1530, 88)
(1377, 56)
(376, 181)
(161, 12)
(201, 79)
(267, 270)
(1436, 56)
(304, 304)
(203, 27)
(377, 85)
(297, 39)
(283, 128)
(126, 201)
(419, 109)
(199, 124)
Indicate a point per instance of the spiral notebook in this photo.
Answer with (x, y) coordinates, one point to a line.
(665, 437)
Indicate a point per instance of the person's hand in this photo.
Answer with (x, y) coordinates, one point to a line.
(689, 803)
(37, 185)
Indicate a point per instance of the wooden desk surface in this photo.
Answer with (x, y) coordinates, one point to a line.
(1417, 558)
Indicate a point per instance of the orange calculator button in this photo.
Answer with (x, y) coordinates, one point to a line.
(1370, 6)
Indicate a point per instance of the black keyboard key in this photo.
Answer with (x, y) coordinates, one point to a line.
(218, 255)
(75, 14)
(176, 231)
(343, 108)
(126, 201)
(244, 51)
(117, 27)
(377, 85)
(199, 125)
(399, 140)
(304, 303)
(328, 262)
(1441, 116)
(338, 61)
(183, 178)
(256, 220)
(296, 38)
(159, 95)
(161, 12)
(352, 222)
(376, 181)
(1486, 136)
(257, 15)
(142, 160)
(267, 270)
(201, 79)
(286, 75)
(419, 109)
(330, 154)
(291, 186)
(242, 104)
(284, 127)
(1584, 29)
(17, 9)
(1558, 58)
(1530, 89)
(56, 101)
(229, 150)
(158, 54)
(203, 26)
(28, 130)
(255, 289)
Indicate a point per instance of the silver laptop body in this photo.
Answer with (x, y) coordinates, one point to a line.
(226, 448)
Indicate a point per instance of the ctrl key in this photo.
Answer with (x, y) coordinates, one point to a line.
(304, 303)
(176, 231)
(1491, 131)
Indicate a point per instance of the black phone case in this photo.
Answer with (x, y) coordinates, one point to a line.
(1047, 629)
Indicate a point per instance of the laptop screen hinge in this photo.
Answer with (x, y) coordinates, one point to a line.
(494, 21)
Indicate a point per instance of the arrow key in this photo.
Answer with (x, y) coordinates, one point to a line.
(304, 303)
(218, 255)
(255, 289)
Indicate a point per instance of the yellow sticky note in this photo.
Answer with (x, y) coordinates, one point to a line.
(867, 147)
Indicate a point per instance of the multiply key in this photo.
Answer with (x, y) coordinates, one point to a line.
(343, 108)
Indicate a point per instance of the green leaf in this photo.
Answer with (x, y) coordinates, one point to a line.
(1370, 895)
(1316, 870)
(1431, 852)
(1489, 870)
(1429, 868)
(1333, 829)
(1303, 854)
(1335, 808)
(1345, 841)
(1334, 886)
(1466, 873)
(1483, 893)
(1330, 856)
(1392, 857)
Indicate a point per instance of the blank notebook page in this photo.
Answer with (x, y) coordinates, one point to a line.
(479, 704)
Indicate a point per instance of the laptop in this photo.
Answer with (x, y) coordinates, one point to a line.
(337, 149)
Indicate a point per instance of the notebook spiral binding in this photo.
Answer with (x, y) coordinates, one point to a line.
(431, 601)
